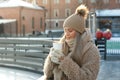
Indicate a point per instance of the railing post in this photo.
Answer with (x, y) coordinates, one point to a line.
(101, 44)
(105, 54)
(14, 52)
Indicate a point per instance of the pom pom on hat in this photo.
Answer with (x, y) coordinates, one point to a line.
(77, 20)
(82, 10)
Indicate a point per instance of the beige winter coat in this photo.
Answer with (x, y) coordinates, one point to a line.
(83, 64)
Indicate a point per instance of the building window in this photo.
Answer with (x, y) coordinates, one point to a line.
(1, 17)
(93, 1)
(33, 23)
(46, 15)
(106, 1)
(44, 1)
(56, 12)
(117, 1)
(67, 1)
(80, 1)
(56, 24)
(67, 12)
(56, 1)
(23, 30)
(23, 18)
(46, 25)
(41, 22)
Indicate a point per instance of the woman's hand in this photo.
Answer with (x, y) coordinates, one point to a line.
(56, 55)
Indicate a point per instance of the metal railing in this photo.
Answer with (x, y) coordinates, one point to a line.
(24, 52)
(113, 46)
(30, 53)
(109, 47)
(101, 44)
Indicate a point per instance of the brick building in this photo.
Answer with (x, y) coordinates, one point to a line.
(58, 10)
(29, 17)
(8, 27)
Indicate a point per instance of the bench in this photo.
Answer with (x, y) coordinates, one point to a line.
(27, 53)
(101, 44)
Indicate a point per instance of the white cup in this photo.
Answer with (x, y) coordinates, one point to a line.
(57, 45)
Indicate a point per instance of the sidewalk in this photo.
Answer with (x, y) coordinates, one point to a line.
(109, 70)
(15, 74)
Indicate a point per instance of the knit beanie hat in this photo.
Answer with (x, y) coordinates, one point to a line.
(77, 20)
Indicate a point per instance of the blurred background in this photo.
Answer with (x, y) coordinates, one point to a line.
(28, 27)
(44, 18)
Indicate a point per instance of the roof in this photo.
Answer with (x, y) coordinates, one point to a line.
(3, 21)
(18, 3)
(113, 12)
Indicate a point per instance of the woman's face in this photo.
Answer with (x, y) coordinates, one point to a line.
(69, 33)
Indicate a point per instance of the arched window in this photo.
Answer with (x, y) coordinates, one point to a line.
(67, 1)
(33, 23)
(67, 12)
(41, 22)
(44, 1)
(56, 12)
(1, 17)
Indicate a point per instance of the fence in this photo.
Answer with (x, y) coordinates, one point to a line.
(30, 53)
(113, 46)
(101, 44)
(24, 53)
(109, 47)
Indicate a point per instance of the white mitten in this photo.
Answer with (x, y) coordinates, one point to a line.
(56, 55)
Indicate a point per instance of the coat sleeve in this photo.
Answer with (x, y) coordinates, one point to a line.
(87, 71)
(48, 69)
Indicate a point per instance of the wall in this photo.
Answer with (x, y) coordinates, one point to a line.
(18, 13)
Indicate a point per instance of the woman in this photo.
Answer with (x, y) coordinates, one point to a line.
(79, 58)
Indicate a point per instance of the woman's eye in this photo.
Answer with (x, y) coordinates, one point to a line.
(70, 30)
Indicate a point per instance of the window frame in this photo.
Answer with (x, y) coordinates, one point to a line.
(56, 1)
(67, 1)
(69, 12)
(44, 1)
(80, 1)
(93, 1)
(33, 24)
(56, 11)
(106, 1)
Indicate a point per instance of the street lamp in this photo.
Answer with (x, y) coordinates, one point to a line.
(92, 23)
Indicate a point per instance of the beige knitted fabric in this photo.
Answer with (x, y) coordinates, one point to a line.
(77, 20)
